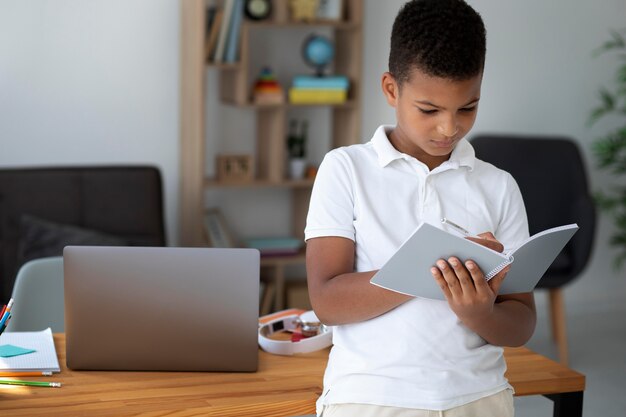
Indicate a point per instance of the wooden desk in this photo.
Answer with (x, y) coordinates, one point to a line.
(283, 386)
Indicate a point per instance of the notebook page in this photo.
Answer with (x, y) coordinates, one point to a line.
(558, 229)
(43, 359)
(533, 258)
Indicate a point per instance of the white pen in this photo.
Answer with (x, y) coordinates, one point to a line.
(455, 226)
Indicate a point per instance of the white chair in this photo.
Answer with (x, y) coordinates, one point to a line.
(38, 301)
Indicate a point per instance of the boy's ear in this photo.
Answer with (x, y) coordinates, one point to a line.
(391, 89)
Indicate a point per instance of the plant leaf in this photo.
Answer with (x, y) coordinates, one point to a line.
(607, 99)
(621, 74)
(607, 105)
(616, 42)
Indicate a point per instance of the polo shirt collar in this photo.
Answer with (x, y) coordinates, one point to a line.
(462, 155)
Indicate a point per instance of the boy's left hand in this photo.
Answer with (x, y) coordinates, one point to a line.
(464, 286)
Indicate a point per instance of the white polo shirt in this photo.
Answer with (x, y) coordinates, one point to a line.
(418, 355)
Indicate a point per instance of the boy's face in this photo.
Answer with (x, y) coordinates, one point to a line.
(433, 114)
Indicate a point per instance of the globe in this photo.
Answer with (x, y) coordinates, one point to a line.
(318, 51)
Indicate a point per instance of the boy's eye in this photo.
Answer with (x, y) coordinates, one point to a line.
(427, 111)
(468, 109)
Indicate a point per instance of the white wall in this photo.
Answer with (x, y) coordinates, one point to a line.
(96, 81)
(91, 82)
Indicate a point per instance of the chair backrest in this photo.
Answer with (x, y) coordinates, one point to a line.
(38, 301)
(553, 181)
(41, 209)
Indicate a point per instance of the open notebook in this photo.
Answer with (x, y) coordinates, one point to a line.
(43, 359)
(408, 270)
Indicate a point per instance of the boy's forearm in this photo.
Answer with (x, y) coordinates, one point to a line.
(511, 323)
(351, 298)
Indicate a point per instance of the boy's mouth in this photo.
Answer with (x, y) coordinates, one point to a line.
(443, 143)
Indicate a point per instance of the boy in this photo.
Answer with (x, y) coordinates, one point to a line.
(395, 355)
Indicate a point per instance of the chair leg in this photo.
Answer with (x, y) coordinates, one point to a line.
(559, 324)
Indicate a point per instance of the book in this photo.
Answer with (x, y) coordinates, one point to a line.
(218, 55)
(308, 81)
(408, 269)
(234, 33)
(317, 96)
(44, 357)
(211, 41)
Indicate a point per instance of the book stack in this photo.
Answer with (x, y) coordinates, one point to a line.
(319, 90)
(275, 246)
(224, 20)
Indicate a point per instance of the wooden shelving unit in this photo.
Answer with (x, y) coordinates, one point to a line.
(271, 120)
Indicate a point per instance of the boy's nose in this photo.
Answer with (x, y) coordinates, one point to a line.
(448, 129)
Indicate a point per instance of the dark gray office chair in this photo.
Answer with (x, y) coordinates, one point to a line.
(553, 180)
(43, 209)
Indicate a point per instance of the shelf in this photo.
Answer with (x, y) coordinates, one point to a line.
(287, 183)
(274, 261)
(234, 66)
(350, 104)
(272, 123)
(339, 25)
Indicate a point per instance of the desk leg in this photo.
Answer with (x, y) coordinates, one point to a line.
(568, 404)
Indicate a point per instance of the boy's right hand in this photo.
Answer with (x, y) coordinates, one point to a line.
(489, 240)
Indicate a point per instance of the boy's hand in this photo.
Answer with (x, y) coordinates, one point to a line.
(489, 240)
(464, 285)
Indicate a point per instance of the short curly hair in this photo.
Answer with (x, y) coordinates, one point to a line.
(442, 38)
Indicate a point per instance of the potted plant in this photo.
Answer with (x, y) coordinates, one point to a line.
(610, 150)
(296, 144)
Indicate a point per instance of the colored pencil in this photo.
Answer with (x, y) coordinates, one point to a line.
(25, 373)
(6, 324)
(30, 383)
(6, 314)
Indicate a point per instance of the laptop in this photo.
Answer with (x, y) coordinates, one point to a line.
(161, 308)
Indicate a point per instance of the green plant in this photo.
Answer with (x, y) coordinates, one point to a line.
(610, 150)
(296, 142)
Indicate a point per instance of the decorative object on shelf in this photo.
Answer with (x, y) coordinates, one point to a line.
(311, 172)
(304, 10)
(330, 10)
(266, 88)
(235, 168)
(318, 52)
(296, 145)
(216, 230)
(258, 9)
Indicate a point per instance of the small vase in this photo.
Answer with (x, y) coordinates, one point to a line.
(297, 167)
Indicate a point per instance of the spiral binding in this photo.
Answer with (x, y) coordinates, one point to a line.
(499, 268)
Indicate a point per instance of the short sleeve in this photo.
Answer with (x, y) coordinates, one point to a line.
(331, 209)
(512, 228)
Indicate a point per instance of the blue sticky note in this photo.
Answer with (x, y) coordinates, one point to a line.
(6, 351)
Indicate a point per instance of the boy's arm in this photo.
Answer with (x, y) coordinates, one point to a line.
(339, 295)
